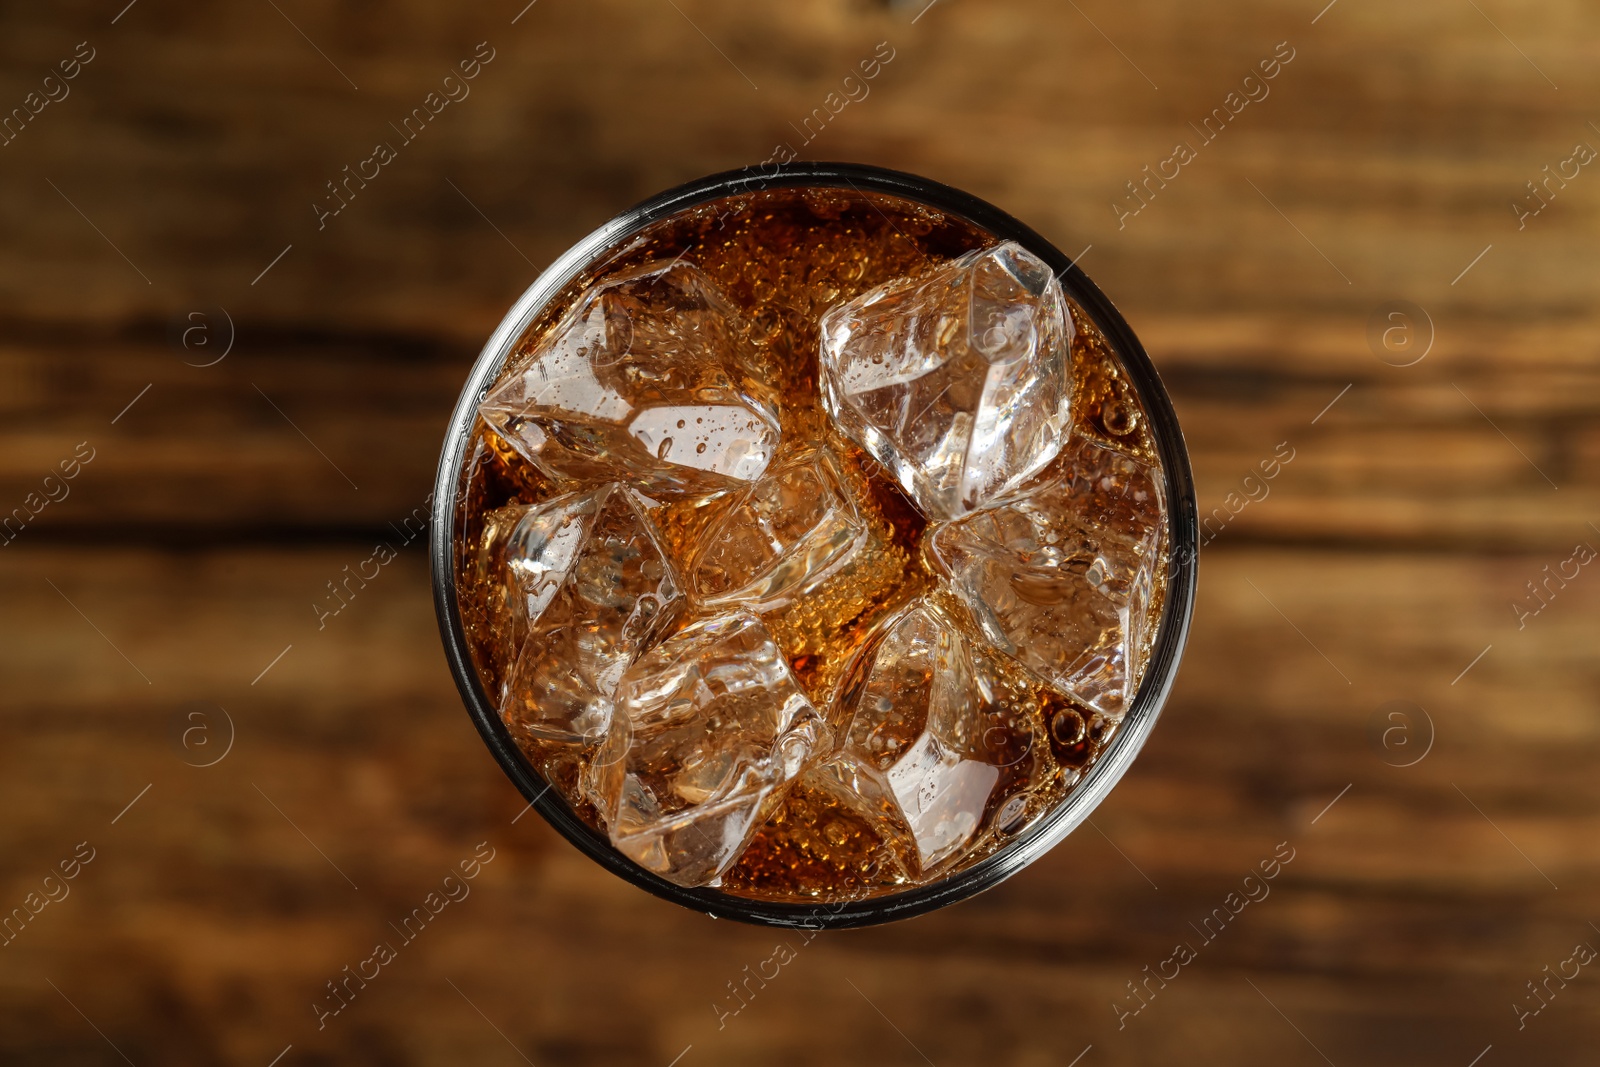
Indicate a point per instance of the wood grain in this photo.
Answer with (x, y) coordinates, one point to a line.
(179, 574)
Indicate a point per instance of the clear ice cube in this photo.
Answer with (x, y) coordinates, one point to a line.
(957, 381)
(936, 741)
(1062, 579)
(788, 532)
(649, 380)
(712, 729)
(591, 588)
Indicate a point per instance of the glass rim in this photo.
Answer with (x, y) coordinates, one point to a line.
(1103, 773)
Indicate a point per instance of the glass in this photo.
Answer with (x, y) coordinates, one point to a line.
(629, 233)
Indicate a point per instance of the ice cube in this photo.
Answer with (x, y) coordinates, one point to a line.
(591, 588)
(1062, 579)
(957, 381)
(712, 729)
(786, 534)
(936, 740)
(649, 380)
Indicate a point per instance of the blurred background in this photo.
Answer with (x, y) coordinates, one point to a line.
(217, 393)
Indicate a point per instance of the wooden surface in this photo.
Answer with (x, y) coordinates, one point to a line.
(190, 551)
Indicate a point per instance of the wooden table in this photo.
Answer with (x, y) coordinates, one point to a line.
(172, 187)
